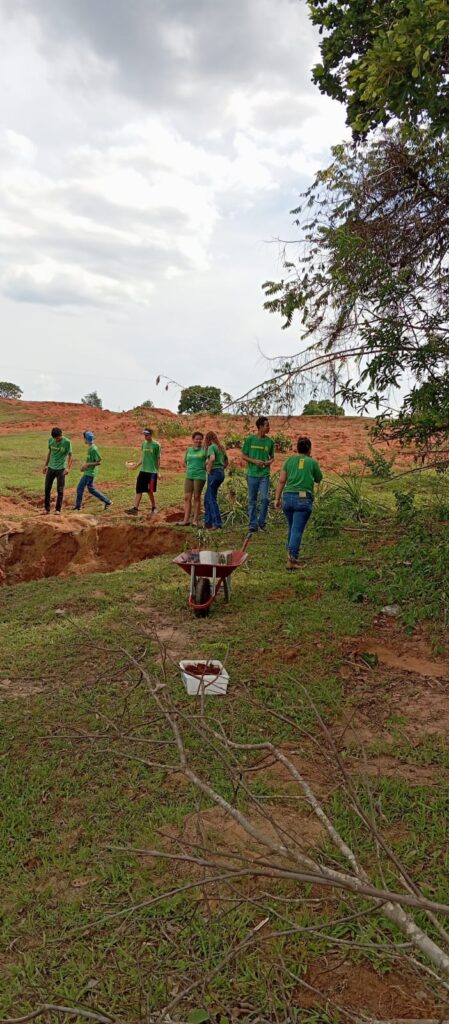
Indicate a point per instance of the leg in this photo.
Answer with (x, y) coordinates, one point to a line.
(49, 478)
(217, 477)
(253, 490)
(264, 491)
(197, 491)
(301, 517)
(60, 493)
(80, 491)
(207, 504)
(188, 490)
(96, 494)
(152, 491)
(288, 513)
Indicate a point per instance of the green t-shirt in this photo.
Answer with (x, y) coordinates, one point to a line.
(151, 453)
(195, 461)
(258, 448)
(93, 455)
(220, 457)
(303, 473)
(59, 452)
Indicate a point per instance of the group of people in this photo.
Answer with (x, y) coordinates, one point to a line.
(205, 464)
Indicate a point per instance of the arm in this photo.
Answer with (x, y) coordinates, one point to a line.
(46, 462)
(280, 487)
(91, 465)
(210, 462)
(255, 462)
(69, 463)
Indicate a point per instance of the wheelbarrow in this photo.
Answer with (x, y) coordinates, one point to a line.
(209, 571)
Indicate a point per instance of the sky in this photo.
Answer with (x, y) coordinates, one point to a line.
(150, 154)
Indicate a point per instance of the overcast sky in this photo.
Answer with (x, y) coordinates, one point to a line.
(150, 153)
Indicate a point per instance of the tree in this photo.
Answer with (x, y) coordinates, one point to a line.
(8, 390)
(200, 399)
(369, 283)
(92, 399)
(384, 60)
(323, 407)
(148, 404)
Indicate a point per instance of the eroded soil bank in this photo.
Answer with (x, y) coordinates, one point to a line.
(77, 545)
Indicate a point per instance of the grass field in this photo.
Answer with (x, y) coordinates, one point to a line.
(84, 751)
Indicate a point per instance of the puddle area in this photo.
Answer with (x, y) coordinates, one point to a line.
(78, 544)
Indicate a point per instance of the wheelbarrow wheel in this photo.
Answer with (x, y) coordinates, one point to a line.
(202, 594)
(227, 589)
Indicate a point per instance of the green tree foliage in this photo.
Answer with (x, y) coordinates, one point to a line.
(200, 399)
(322, 407)
(370, 281)
(92, 399)
(8, 390)
(148, 404)
(385, 59)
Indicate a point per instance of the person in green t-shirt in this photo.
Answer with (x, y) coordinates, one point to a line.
(297, 480)
(57, 464)
(258, 453)
(89, 471)
(147, 479)
(216, 462)
(195, 478)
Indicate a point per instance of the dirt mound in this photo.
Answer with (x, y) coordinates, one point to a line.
(359, 988)
(78, 545)
(334, 440)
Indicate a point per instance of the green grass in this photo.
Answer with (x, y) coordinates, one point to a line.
(69, 792)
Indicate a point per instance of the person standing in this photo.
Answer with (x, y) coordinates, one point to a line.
(297, 480)
(147, 479)
(216, 462)
(258, 453)
(195, 463)
(57, 464)
(89, 471)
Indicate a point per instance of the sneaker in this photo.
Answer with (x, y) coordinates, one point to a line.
(108, 504)
(262, 527)
(253, 529)
(76, 509)
(131, 511)
(154, 511)
(57, 511)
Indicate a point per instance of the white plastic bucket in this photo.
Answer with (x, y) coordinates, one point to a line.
(212, 679)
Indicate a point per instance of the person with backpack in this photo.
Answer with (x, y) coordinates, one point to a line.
(216, 463)
(89, 471)
(297, 480)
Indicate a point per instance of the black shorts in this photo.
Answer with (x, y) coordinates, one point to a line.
(146, 482)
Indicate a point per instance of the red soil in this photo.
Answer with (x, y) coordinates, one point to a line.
(334, 440)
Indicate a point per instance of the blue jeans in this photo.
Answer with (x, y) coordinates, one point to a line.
(212, 516)
(297, 512)
(258, 485)
(88, 481)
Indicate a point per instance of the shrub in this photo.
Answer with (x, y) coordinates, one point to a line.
(323, 407)
(233, 441)
(377, 463)
(282, 442)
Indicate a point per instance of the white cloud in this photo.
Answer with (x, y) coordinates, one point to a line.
(141, 158)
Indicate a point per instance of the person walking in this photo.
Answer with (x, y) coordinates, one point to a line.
(258, 453)
(89, 471)
(216, 462)
(57, 464)
(195, 478)
(147, 479)
(297, 479)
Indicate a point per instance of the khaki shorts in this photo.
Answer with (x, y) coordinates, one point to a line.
(194, 487)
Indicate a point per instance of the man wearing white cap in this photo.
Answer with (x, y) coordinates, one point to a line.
(89, 471)
(146, 482)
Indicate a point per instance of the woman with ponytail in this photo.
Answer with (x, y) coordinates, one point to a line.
(216, 462)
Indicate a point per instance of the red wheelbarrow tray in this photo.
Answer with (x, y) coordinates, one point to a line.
(235, 559)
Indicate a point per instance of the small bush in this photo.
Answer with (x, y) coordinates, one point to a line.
(233, 441)
(377, 463)
(172, 428)
(405, 507)
(282, 442)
